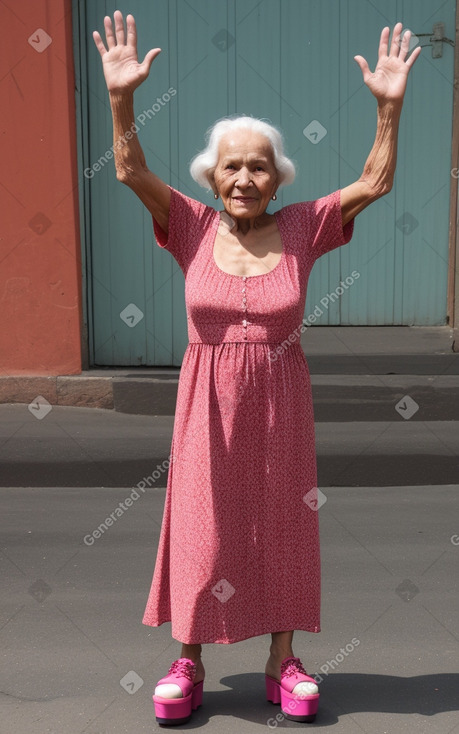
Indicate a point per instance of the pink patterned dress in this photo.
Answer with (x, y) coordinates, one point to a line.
(238, 554)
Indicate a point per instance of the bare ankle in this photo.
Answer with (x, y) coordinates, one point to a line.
(280, 653)
(192, 652)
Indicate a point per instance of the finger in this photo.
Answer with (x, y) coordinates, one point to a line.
(131, 32)
(363, 67)
(148, 60)
(109, 35)
(404, 45)
(395, 45)
(384, 42)
(119, 27)
(99, 43)
(416, 53)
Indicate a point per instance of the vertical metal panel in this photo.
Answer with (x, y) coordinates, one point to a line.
(127, 266)
(401, 246)
(453, 279)
(426, 153)
(371, 252)
(79, 26)
(310, 38)
(292, 62)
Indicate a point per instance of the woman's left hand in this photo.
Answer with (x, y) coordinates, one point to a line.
(388, 81)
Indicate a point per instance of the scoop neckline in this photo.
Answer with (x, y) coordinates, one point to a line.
(245, 277)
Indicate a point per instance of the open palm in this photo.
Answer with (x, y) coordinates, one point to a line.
(122, 70)
(388, 81)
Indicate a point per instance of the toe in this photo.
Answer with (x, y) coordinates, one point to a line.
(168, 690)
(305, 688)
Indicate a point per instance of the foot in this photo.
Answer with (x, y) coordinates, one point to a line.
(200, 672)
(173, 690)
(273, 669)
(273, 665)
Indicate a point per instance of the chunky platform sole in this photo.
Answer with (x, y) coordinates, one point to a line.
(173, 711)
(296, 708)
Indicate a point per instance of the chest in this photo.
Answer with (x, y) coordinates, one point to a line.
(253, 254)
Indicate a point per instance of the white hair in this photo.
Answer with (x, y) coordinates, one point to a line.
(204, 163)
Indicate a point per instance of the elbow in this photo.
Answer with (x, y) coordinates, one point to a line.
(384, 188)
(388, 183)
(126, 173)
(129, 171)
(122, 175)
(380, 188)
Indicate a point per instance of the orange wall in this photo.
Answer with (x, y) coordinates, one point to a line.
(40, 268)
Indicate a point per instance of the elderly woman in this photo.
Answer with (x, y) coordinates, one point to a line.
(238, 554)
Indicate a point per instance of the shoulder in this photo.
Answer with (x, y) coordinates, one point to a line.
(318, 222)
(189, 220)
(307, 216)
(311, 207)
(183, 203)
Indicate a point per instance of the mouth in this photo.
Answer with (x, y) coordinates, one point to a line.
(244, 199)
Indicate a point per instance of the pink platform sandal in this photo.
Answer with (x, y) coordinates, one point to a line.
(177, 709)
(301, 705)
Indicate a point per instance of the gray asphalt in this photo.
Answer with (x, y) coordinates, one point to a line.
(88, 447)
(71, 618)
(76, 658)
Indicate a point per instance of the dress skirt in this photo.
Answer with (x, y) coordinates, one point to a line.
(239, 553)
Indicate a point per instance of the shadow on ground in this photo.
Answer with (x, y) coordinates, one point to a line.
(341, 694)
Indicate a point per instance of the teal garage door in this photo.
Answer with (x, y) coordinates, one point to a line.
(291, 62)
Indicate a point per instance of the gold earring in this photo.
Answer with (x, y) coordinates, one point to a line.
(215, 196)
(274, 197)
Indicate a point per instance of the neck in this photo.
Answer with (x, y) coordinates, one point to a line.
(245, 225)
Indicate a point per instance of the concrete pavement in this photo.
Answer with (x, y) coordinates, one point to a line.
(331, 351)
(71, 618)
(76, 658)
(360, 441)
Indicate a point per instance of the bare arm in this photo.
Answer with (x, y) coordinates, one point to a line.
(378, 172)
(388, 84)
(123, 74)
(131, 168)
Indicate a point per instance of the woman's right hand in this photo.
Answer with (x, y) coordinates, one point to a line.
(122, 71)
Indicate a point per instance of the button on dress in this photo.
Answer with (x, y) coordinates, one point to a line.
(238, 554)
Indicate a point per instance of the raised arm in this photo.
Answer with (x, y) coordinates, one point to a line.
(123, 74)
(388, 84)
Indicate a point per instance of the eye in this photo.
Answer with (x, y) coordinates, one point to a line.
(259, 168)
(229, 166)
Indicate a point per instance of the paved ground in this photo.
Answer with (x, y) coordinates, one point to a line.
(361, 440)
(71, 618)
(76, 658)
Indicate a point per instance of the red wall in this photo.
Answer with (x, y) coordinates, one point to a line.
(40, 267)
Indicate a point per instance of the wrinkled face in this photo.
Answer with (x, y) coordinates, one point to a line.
(245, 176)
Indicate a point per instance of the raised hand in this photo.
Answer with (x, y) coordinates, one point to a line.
(388, 81)
(122, 71)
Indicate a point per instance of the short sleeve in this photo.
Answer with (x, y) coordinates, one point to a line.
(188, 222)
(319, 224)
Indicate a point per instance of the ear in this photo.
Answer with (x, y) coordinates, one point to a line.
(211, 179)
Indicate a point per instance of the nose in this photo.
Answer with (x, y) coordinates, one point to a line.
(243, 178)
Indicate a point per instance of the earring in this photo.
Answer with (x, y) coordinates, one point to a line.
(215, 196)
(274, 197)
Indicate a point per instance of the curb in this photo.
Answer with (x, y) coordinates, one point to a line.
(336, 397)
(144, 393)
(82, 391)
